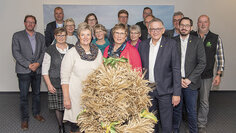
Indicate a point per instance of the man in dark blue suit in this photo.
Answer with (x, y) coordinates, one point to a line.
(49, 32)
(193, 62)
(160, 59)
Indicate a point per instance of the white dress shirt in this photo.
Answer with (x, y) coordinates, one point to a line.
(153, 50)
(184, 46)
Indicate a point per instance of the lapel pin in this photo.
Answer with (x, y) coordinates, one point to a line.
(161, 46)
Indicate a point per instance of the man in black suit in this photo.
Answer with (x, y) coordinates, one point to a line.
(49, 32)
(160, 59)
(175, 32)
(193, 62)
(144, 31)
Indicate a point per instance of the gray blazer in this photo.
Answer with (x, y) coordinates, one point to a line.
(195, 60)
(23, 53)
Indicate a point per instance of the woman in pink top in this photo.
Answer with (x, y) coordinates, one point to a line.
(135, 33)
(120, 48)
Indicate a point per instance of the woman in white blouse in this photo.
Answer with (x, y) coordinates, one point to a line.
(51, 73)
(79, 61)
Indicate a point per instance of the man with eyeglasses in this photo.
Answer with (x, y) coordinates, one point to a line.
(215, 53)
(161, 63)
(123, 16)
(144, 31)
(59, 22)
(28, 49)
(175, 32)
(193, 61)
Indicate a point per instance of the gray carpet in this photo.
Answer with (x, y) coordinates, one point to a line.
(222, 115)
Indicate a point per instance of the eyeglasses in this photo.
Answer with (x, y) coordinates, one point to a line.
(91, 19)
(134, 33)
(70, 25)
(176, 20)
(98, 32)
(120, 33)
(155, 29)
(186, 25)
(61, 36)
(30, 22)
(123, 16)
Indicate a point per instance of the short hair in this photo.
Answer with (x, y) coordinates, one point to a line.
(204, 16)
(150, 15)
(68, 20)
(146, 8)
(84, 26)
(60, 30)
(155, 20)
(186, 18)
(58, 8)
(120, 26)
(123, 11)
(135, 27)
(99, 27)
(30, 16)
(91, 14)
(178, 13)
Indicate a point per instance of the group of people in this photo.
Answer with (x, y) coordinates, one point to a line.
(178, 63)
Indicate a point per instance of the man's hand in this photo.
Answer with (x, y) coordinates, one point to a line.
(216, 80)
(34, 66)
(185, 83)
(175, 100)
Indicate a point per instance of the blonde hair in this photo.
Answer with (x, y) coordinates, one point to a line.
(120, 26)
(69, 20)
(84, 26)
(100, 27)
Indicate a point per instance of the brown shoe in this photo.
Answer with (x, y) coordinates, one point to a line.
(24, 125)
(39, 118)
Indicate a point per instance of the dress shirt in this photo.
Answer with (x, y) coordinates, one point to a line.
(153, 50)
(184, 43)
(32, 40)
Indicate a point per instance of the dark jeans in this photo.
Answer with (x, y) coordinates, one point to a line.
(25, 80)
(189, 97)
(162, 105)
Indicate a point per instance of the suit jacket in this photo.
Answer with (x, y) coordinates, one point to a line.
(195, 60)
(167, 66)
(169, 33)
(144, 31)
(23, 53)
(49, 33)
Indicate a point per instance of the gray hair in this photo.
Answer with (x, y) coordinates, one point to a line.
(84, 26)
(155, 20)
(136, 28)
(179, 13)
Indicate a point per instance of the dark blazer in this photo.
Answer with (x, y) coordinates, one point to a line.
(195, 59)
(167, 67)
(144, 30)
(49, 33)
(169, 33)
(23, 54)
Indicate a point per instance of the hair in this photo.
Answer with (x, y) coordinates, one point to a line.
(84, 26)
(91, 14)
(30, 16)
(120, 26)
(123, 11)
(145, 8)
(186, 18)
(59, 30)
(100, 27)
(149, 16)
(58, 8)
(155, 20)
(204, 16)
(68, 20)
(178, 13)
(135, 27)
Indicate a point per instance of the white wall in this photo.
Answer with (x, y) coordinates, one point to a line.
(12, 13)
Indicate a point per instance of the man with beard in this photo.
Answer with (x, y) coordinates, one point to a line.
(49, 32)
(28, 49)
(193, 62)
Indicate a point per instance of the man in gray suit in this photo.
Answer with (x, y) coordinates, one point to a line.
(28, 49)
(193, 62)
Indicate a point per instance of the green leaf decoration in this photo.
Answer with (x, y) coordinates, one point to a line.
(148, 115)
(113, 61)
(110, 128)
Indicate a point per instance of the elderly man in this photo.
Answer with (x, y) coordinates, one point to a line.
(161, 62)
(49, 32)
(28, 49)
(214, 53)
(193, 62)
(144, 31)
(175, 32)
(123, 16)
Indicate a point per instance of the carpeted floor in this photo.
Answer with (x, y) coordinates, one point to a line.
(222, 115)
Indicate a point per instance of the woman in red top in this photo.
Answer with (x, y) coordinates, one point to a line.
(120, 48)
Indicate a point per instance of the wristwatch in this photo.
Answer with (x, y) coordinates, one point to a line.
(219, 74)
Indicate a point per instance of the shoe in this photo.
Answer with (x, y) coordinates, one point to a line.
(24, 125)
(39, 118)
(62, 129)
(201, 129)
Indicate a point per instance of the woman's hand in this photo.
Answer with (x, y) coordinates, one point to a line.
(51, 89)
(67, 103)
